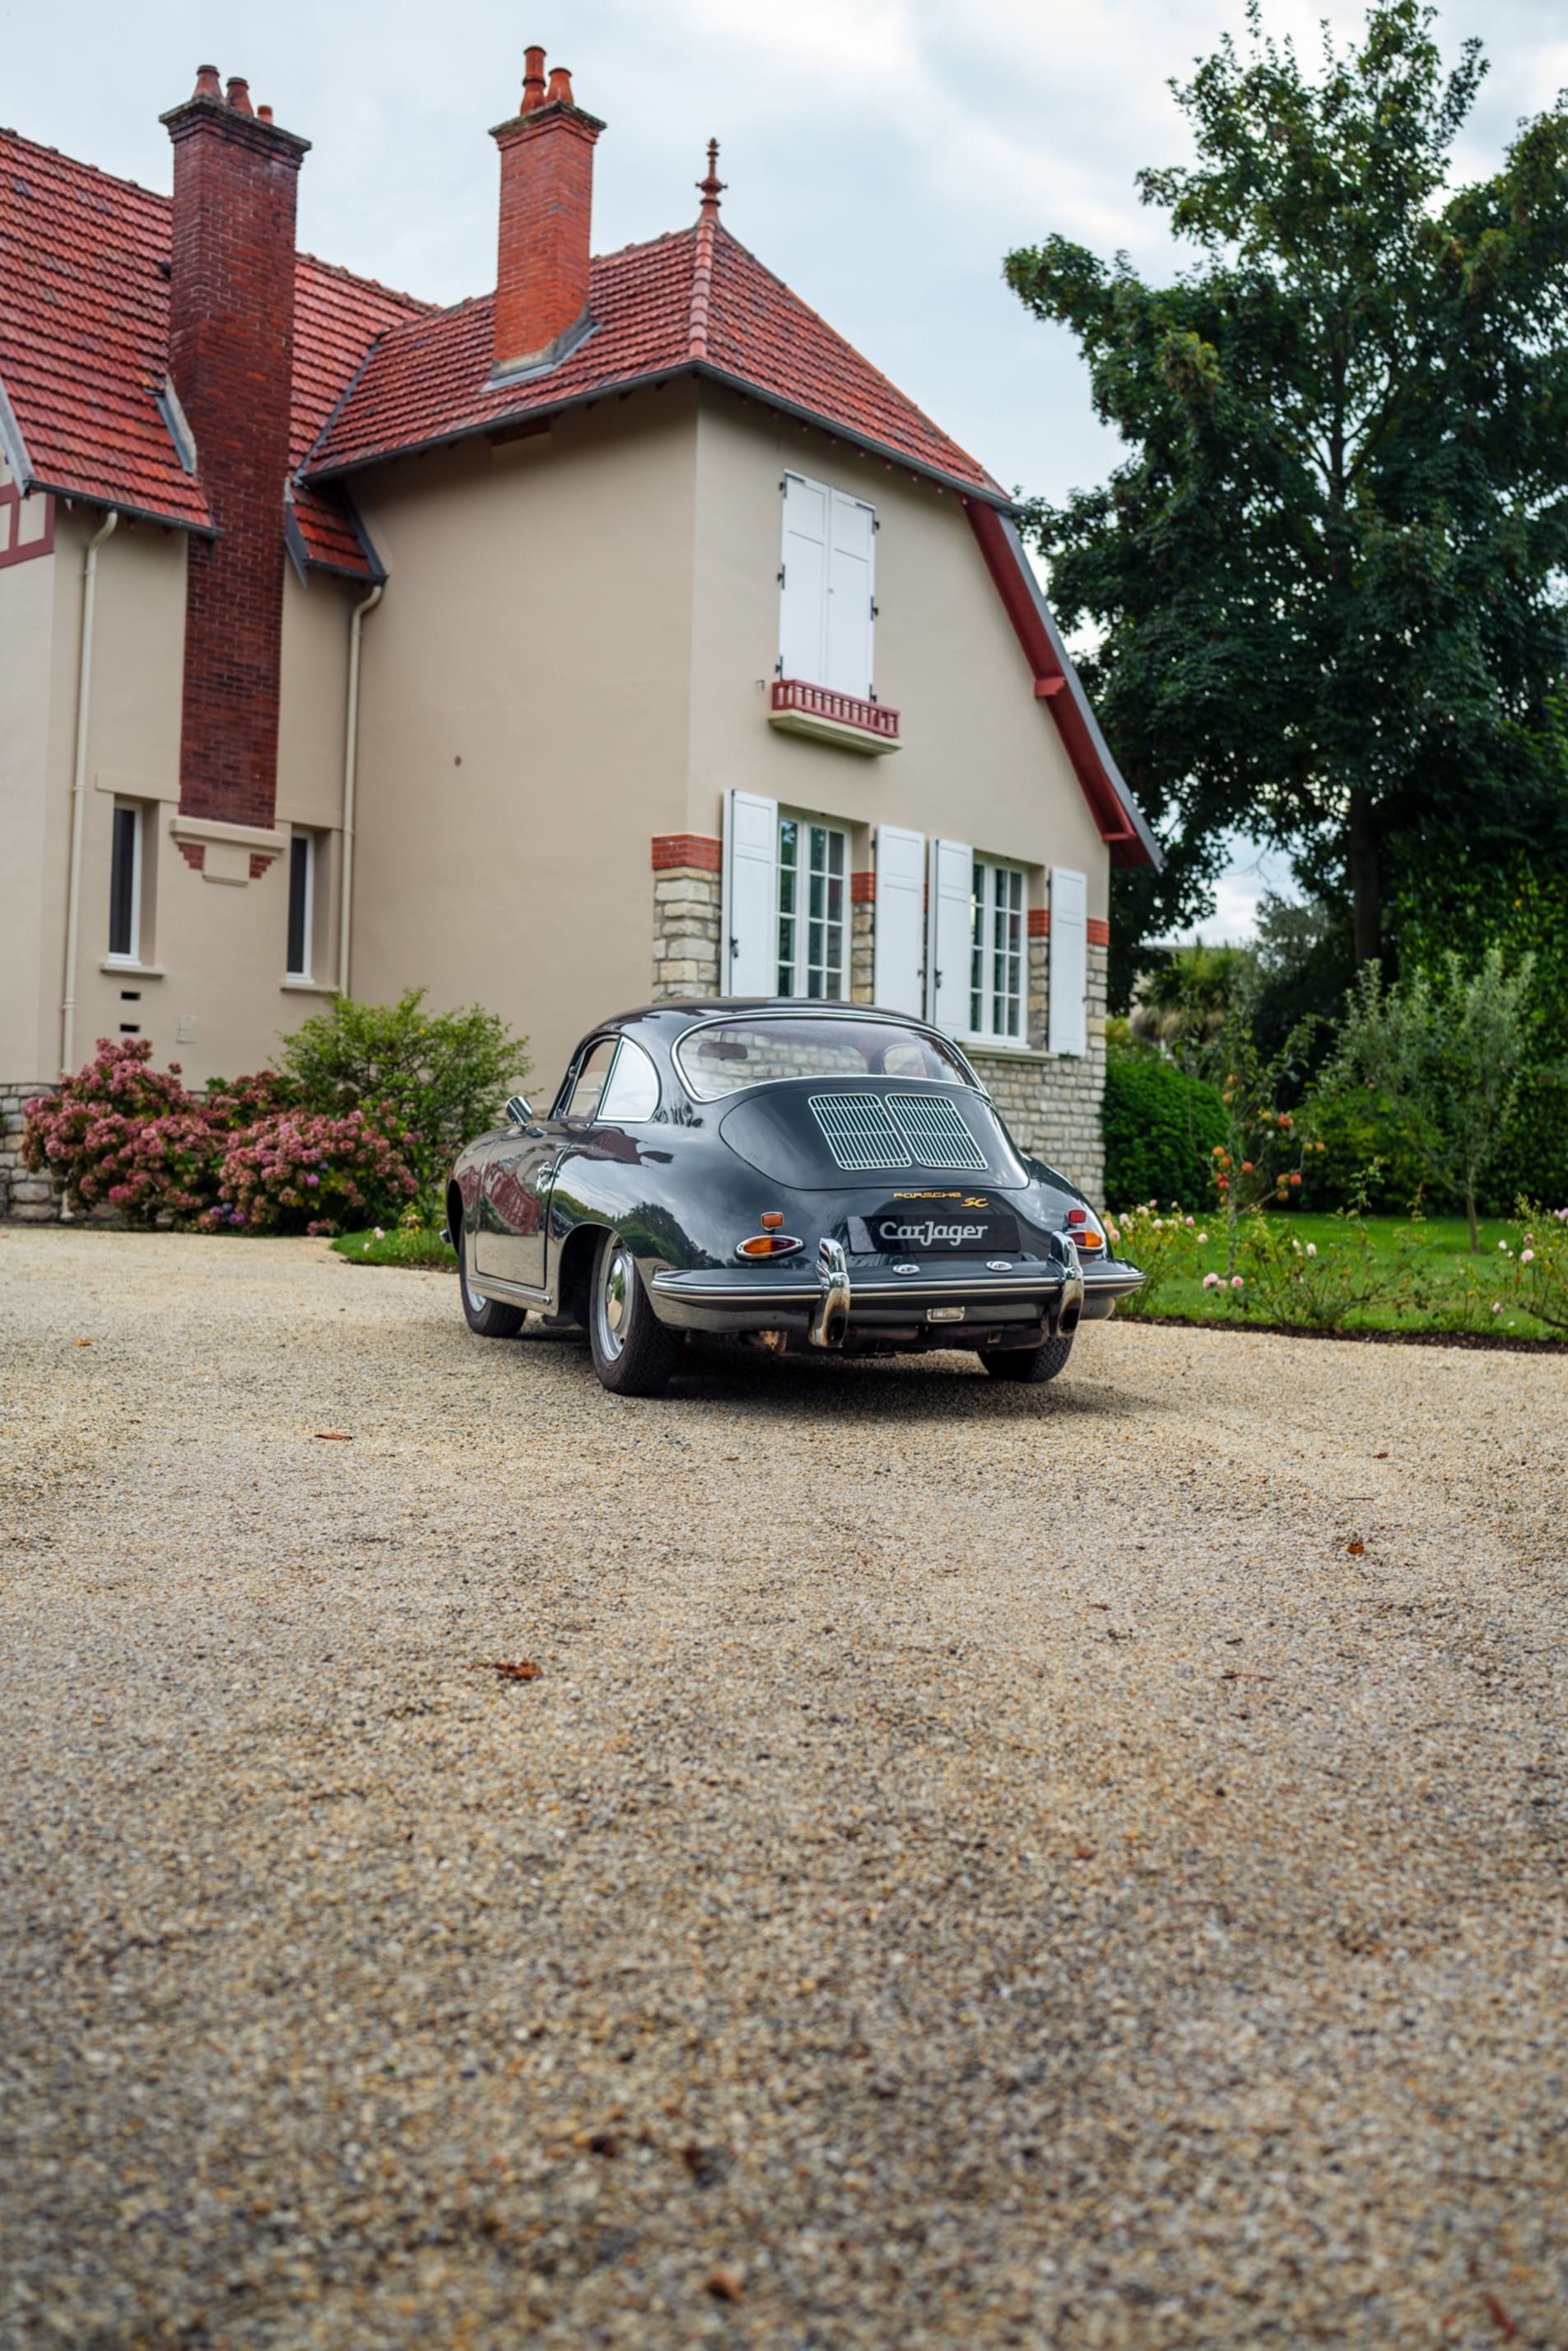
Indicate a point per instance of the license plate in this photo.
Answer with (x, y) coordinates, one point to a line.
(936, 1223)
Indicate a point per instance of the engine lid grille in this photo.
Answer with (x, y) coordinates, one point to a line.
(858, 1132)
(877, 1131)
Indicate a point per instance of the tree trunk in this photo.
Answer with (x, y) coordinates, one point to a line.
(1366, 904)
(1474, 1222)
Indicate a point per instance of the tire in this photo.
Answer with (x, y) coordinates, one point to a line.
(490, 1317)
(633, 1355)
(1035, 1365)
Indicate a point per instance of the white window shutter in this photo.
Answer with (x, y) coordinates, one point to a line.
(949, 933)
(850, 590)
(749, 947)
(803, 596)
(900, 935)
(1069, 1029)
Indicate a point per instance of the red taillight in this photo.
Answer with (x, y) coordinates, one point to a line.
(1078, 1216)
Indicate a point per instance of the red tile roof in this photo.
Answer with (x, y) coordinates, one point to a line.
(693, 299)
(84, 333)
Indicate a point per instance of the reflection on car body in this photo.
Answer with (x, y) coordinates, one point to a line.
(817, 1177)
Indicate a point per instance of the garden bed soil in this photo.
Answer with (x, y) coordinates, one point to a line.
(1481, 1341)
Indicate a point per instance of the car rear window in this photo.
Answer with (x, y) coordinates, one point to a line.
(722, 1056)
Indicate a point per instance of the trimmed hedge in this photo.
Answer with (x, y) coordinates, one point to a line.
(1161, 1127)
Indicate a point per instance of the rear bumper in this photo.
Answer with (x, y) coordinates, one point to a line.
(850, 1301)
(1104, 1283)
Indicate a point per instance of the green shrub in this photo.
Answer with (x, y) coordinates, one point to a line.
(444, 1075)
(1533, 1159)
(1161, 1128)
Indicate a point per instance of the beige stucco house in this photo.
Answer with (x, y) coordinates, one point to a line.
(621, 635)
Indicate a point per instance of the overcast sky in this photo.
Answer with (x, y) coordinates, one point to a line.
(881, 155)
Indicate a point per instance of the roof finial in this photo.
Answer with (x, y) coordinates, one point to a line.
(712, 187)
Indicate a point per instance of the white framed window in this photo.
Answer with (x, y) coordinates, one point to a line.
(998, 960)
(827, 588)
(813, 909)
(301, 904)
(125, 882)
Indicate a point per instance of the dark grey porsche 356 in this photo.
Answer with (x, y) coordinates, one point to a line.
(792, 1177)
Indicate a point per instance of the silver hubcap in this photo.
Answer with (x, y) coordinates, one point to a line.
(476, 1304)
(615, 1299)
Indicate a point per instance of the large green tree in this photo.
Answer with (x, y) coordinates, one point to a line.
(1325, 585)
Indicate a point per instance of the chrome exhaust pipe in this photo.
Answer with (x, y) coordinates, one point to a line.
(831, 1320)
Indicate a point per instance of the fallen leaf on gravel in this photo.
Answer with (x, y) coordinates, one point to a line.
(1085, 1853)
(523, 1671)
(726, 2285)
(1380, 1456)
(1499, 2319)
(1355, 1548)
(81, 1342)
(335, 1436)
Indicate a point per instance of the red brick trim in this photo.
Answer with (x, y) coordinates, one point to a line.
(863, 888)
(1097, 932)
(259, 861)
(194, 853)
(1039, 922)
(12, 549)
(698, 853)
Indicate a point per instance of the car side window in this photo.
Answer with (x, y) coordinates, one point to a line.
(587, 1082)
(632, 1093)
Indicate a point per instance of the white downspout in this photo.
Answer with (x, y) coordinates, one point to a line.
(350, 765)
(79, 795)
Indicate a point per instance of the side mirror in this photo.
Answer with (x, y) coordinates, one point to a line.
(520, 1110)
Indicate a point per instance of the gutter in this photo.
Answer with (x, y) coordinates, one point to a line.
(350, 771)
(106, 529)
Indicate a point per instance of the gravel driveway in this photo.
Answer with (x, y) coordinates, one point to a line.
(975, 1865)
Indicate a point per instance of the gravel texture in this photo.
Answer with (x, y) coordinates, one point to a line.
(975, 1865)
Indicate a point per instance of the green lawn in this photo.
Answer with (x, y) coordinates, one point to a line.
(396, 1247)
(1443, 1287)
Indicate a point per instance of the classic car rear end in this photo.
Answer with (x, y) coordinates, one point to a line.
(820, 1177)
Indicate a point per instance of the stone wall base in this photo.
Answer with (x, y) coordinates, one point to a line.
(30, 1200)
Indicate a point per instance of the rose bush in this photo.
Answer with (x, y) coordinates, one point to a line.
(1163, 1243)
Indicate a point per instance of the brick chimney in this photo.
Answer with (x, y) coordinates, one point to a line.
(231, 355)
(547, 204)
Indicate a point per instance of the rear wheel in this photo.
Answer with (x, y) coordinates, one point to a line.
(1032, 1364)
(632, 1352)
(490, 1317)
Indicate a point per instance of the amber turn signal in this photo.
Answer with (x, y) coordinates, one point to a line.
(771, 1219)
(768, 1245)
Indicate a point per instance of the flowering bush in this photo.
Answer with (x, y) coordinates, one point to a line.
(1283, 1279)
(1538, 1267)
(124, 1136)
(242, 1156)
(1162, 1243)
(297, 1168)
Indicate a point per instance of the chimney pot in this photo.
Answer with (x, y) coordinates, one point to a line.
(559, 90)
(207, 83)
(263, 114)
(239, 95)
(533, 78)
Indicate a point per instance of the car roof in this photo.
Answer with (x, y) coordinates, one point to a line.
(687, 1009)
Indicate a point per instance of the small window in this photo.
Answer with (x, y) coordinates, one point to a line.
(583, 1089)
(813, 888)
(997, 973)
(125, 883)
(301, 903)
(633, 1093)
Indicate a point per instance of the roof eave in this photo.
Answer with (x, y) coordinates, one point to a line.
(110, 505)
(13, 444)
(705, 370)
(1129, 838)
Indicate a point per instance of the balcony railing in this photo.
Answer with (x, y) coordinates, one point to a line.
(842, 718)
